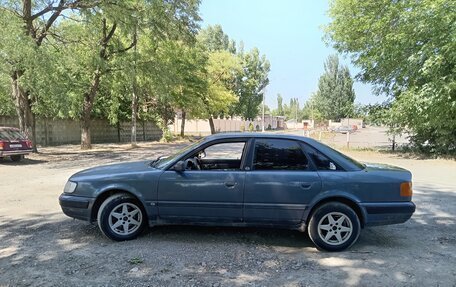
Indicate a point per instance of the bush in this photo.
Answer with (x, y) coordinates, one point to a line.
(242, 128)
(167, 136)
(251, 128)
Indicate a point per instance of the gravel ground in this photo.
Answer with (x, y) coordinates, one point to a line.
(39, 246)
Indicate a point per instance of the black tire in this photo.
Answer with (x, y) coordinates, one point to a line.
(16, 157)
(338, 238)
(107, 222)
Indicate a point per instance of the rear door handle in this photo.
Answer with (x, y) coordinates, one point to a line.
(306, 185)
(230, 184)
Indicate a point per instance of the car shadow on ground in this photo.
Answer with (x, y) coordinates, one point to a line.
(223, 235)
(24, 161)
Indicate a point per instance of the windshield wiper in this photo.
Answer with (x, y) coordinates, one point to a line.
(154, 162)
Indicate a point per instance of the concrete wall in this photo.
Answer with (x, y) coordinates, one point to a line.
(57, 132)
(201, 127)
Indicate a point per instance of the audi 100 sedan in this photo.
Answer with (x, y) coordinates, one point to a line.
(264, 180)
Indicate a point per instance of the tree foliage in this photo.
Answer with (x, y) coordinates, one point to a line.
(250, 80)
(335, 96)
(251, 83)
(121, 60)
(407, 49)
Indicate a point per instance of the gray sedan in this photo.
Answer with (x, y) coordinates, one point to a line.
(266, 180)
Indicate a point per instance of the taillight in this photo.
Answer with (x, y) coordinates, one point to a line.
(29, 143)
(406, 189)
(2, 145)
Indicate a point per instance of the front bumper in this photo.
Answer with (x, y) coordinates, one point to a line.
(387, 212)
(15, 152)
(77, 206)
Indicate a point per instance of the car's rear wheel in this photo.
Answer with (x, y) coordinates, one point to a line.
(334, 226)
(16, 157)
(121, 217)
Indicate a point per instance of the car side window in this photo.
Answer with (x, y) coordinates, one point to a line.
(277, 154)
(220, 157)
(321, 161)
(224, 151)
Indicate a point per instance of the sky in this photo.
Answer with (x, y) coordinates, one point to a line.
(290, 34)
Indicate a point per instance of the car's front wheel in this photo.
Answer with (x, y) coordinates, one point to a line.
(334, 226)
(121, 217)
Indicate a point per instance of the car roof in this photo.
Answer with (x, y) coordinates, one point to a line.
(255, 135)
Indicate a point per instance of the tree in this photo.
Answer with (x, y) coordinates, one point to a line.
(102, 34)
(180, 17)
(214, 39)
(26, 25)
(221, 72)
(103, 43)
(280, 105)
(186, 77)
(251, 83)
(335, 96)
(407, 49)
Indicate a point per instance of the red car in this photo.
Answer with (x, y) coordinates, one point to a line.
(14, 144)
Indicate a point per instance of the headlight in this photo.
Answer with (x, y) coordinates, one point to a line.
(70, 187)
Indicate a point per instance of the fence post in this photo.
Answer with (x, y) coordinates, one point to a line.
(348, 139)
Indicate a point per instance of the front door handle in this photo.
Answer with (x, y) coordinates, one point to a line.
(306, 185)
(230, 184)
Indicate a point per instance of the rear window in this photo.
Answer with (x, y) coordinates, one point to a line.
(9, 135)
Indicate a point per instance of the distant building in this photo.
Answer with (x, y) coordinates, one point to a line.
(272, 122)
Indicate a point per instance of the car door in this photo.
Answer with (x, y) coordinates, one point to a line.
(213, 193)
(280, 184)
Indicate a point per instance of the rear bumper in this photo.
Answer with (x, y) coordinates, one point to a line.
(15, 152)
(77, 206)
(387, 212)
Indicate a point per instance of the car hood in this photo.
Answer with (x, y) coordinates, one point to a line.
(382, 167)
(119, 168)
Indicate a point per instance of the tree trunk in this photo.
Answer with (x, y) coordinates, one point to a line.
(86, 139)
(211, 124)
(23, 106)
(118, 131)
(86, 119)
(134, 115)
(134, 100)
(183, 123)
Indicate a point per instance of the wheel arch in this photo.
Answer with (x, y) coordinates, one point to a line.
(351, 202)
(105, 194)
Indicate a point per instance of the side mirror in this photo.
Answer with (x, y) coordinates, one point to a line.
(179, 166)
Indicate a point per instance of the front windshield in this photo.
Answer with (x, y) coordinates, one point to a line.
(163, 161)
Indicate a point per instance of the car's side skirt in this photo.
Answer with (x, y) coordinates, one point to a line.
(196, 222)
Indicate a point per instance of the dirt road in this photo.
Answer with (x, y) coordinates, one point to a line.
(39, 246)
